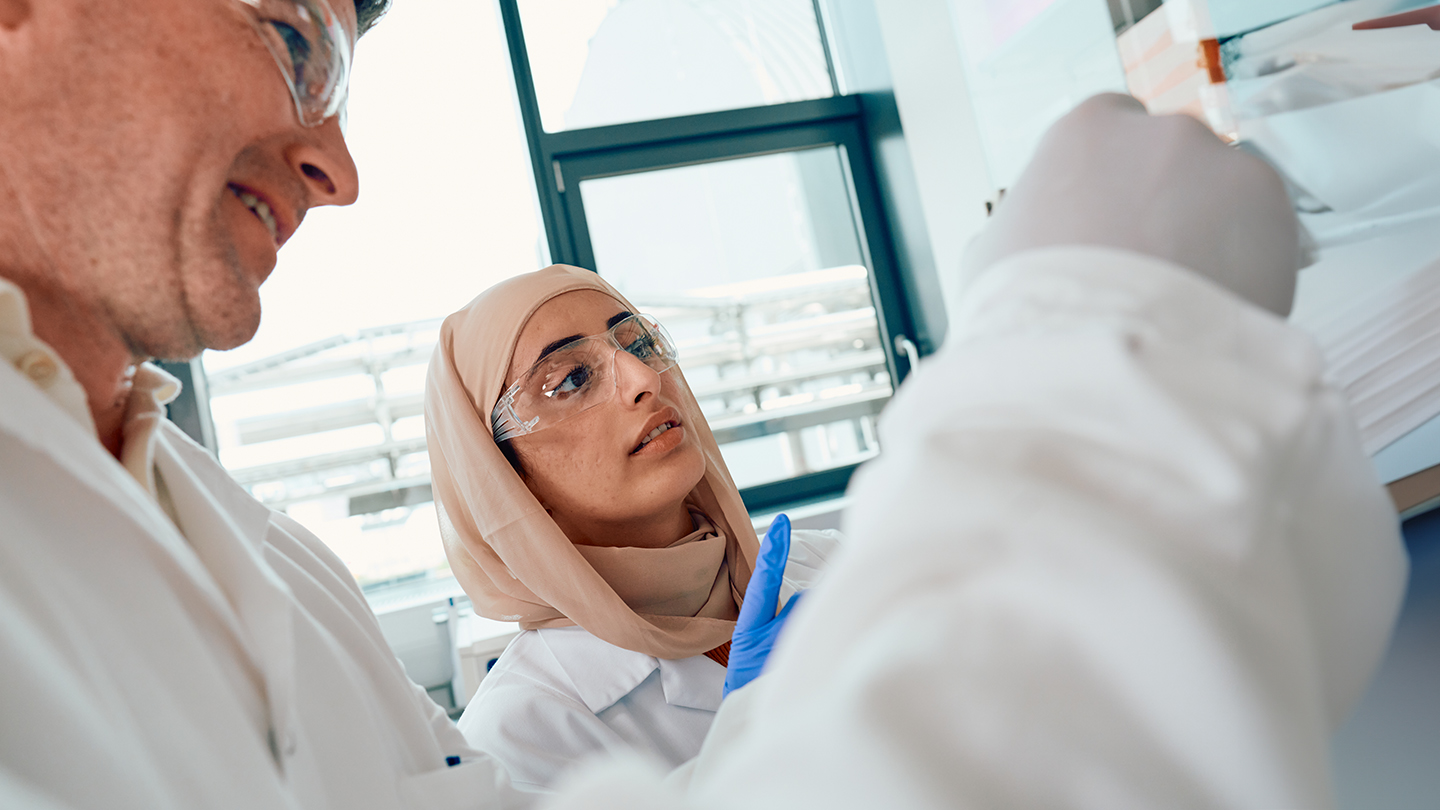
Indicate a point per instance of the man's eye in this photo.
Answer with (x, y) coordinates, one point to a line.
(296, 45)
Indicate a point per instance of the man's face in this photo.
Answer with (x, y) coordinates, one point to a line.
(145, 139)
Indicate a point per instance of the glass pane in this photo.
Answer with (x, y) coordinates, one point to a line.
(1124, 14)
(1028, 62)
(598, 62)
(319, 415)
(755, 267)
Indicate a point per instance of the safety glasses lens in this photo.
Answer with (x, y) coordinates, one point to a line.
(311, 48)
(645, 341)
(579, 375)
(567, 377)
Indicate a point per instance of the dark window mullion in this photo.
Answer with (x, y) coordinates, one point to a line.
(891, 309)
(700, 125)
(634, 159)
(549, 198)
(788, 492)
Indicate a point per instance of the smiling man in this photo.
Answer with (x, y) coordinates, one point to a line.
(152, 163)
(169, 641)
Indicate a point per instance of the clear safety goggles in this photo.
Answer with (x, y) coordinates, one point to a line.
(578, 376)
(311, 48)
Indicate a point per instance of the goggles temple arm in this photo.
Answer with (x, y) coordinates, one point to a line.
(505, 424)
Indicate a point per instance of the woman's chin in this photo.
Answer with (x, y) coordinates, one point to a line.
(680, 472)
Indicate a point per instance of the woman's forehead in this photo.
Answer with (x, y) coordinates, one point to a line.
(577, 313)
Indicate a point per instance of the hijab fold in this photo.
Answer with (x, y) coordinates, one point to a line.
(511, 557)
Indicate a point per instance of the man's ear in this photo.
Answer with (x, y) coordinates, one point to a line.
(13, 13)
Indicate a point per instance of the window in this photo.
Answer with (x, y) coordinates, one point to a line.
(1029, 62)
(599, 62)
(320, 415)
(748, 221)
(701, 157)
(754, 265)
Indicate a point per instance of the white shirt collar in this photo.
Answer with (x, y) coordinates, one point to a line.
(153, 388)
(603, 673)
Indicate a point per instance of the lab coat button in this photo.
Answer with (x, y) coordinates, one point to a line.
(39, 366)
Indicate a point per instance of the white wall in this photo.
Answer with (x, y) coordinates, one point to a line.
(927, 71)
(1024, 80)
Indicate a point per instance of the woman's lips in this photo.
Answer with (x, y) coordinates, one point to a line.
(667, 440)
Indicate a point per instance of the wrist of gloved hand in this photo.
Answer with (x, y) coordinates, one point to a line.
(1108, 174)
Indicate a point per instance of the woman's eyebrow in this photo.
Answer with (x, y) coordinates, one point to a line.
(556, 344)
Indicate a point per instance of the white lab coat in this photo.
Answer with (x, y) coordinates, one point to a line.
(558, 696)
(1122, 550)
(235, 665)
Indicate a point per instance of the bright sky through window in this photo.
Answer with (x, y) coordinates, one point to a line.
(446, 210)
(445, 204)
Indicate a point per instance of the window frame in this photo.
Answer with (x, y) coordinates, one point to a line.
(848, 122)
(560, 161)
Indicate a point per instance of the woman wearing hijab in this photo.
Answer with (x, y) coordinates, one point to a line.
(581, 494)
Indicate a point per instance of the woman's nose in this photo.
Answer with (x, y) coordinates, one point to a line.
(634, 378)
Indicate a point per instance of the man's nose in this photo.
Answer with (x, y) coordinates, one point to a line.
(323, 161)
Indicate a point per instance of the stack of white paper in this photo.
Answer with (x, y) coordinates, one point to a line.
(1375, 311)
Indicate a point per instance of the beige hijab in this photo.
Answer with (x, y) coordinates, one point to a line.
(509, 555)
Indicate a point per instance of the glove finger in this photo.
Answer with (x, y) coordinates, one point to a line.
(762, 595)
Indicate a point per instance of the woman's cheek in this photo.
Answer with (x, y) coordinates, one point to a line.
(588, 471)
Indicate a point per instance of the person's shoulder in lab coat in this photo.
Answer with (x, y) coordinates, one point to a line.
(189, 646)
(166, 640)
(558, 696)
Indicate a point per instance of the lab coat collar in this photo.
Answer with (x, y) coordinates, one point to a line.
(695, 683)
(34, 414)
(35, 418)
(152, 389)
(602, 673)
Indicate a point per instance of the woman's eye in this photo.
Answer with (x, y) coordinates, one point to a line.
(642, 347)
(295, 44)
(572, 382)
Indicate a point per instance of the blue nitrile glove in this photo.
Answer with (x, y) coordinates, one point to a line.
(759, 625)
